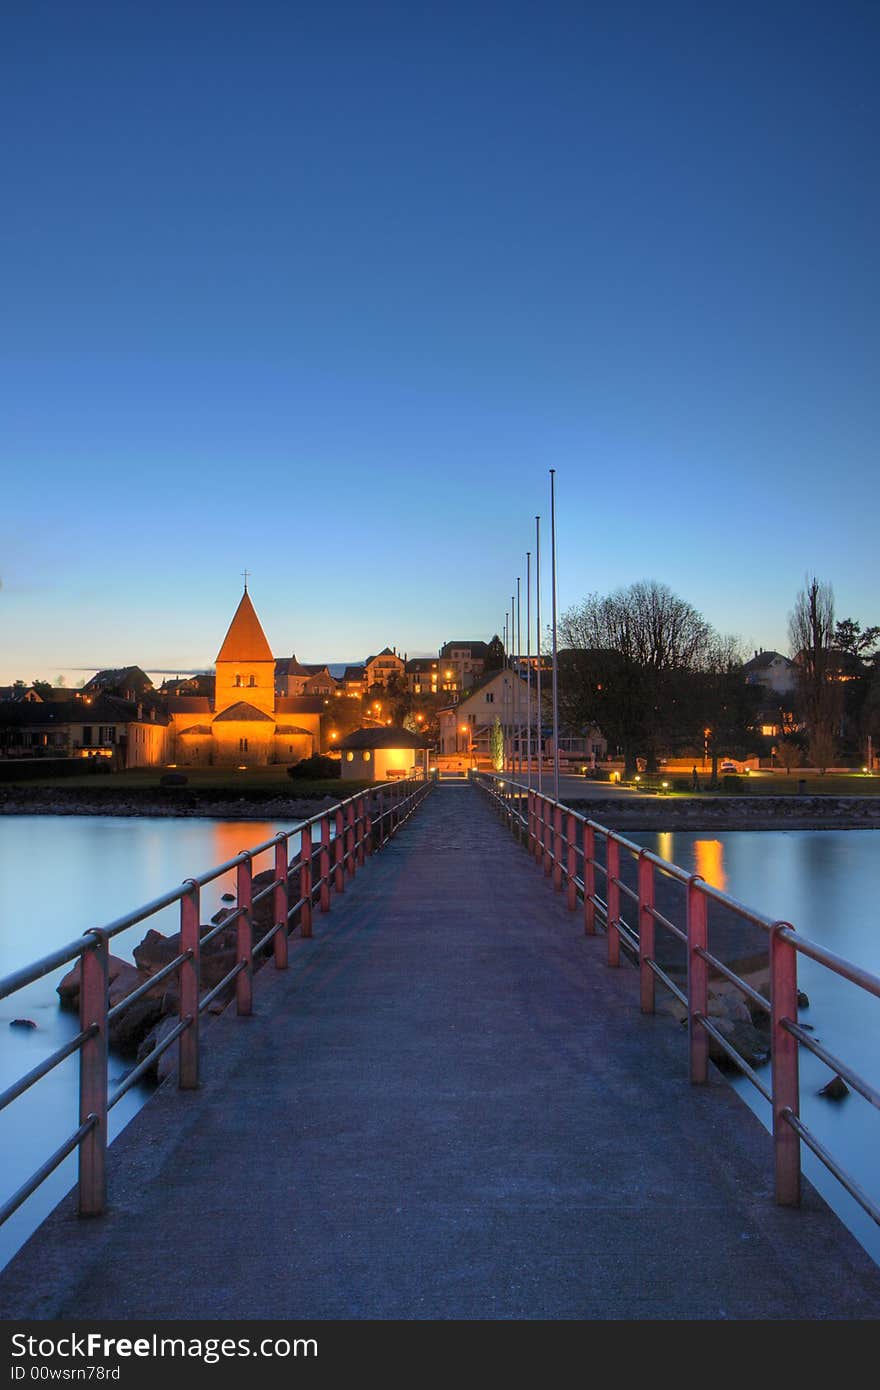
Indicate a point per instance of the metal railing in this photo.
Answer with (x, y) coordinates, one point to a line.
(564, 843)
(339, 839)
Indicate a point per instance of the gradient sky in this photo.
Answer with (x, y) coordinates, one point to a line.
(324, 290)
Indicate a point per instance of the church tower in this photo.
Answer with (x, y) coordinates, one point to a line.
(245, 664)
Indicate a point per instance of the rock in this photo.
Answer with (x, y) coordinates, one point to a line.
(127, 1031)
(156, 951)
(803, 1000)
(68, 990)
(124, 982)
(836, 1089)
(167, 1063)
(22, 1023)
(745, 1038)
(227, 898)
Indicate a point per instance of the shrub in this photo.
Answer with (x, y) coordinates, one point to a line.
(173, 779)
(317, 767)
(730, 782)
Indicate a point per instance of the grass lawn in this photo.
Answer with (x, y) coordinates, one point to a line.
(270, 781)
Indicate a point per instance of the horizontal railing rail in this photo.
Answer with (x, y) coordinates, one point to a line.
(565, 844)
(333, 845)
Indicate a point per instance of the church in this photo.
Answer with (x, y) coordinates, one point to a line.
(246, 722)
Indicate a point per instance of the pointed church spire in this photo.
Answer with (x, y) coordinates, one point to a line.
(245, 640)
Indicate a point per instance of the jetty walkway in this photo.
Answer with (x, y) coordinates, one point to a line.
(446, 1107)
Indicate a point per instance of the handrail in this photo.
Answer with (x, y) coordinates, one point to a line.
(362, 825)
(559, 838)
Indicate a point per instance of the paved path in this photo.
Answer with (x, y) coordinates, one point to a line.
(447, 1108)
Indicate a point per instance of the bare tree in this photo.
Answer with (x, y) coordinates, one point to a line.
(811, 634)
(626, 663)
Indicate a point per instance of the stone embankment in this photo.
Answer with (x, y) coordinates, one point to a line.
(732, 812)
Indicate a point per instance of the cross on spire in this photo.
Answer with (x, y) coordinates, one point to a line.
(245, 574)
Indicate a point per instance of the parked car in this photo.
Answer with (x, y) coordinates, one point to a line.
(727, 766)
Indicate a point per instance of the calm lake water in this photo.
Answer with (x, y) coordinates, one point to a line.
(61, 875)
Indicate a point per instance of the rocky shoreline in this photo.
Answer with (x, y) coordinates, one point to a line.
(161, 802)
(630, 813)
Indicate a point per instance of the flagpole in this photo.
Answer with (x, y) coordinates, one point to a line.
(539, 713)
(519, 731)
(555, 653)
(529, 669)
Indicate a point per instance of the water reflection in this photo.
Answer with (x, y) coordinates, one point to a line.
(709, 862)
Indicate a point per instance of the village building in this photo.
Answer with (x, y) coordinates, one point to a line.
(462, 663)
(465, 727)
(385, 669)
(246, 723)
(383, 754)
(122, 733)
(423, 675)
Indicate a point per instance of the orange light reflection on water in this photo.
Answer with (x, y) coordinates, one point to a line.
(709, 862)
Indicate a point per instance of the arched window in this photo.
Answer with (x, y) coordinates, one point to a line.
(237, 680)
(252, 680)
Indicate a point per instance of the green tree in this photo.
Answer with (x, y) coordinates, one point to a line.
(494, 655)
(496, 745)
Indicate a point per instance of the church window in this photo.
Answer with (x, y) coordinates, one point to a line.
(242, 745)
(238, 680)
(252, 680)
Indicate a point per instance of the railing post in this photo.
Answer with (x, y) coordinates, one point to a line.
(349, 839)
(646, 933)
(280, 903)
(548, 837)
(361, 820)
(571, 867)
(698, 979)
(188, 1054)
(557, 848)
(784, 1066)
(244, 983)
(93, 1075)
(305, 882)
(539, 828)
(339, 852)
(324, 863)
(589, 880)
(531, 839)
(368, 823)
(612, 864)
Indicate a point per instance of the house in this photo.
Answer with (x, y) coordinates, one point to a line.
(126, 682)
(124, 732)
(385, 669)
(462, 662)
(423, 675)
(465, 727)
(771, 670)
(354, 680)
(294, 678)
(383, 754)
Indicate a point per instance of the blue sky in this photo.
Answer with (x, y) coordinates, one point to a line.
(323, 292)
